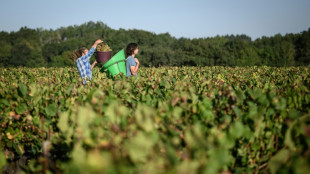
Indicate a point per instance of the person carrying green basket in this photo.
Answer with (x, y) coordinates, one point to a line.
(132, 63)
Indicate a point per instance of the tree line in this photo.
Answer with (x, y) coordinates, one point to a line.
(53, 48)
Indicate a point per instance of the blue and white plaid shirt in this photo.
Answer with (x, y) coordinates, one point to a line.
(83, 65)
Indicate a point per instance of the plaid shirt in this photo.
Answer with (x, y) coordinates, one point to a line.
(83, 65)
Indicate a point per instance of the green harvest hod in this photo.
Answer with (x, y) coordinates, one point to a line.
(115, 65)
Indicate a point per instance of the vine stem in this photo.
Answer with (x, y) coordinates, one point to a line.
(45, 162)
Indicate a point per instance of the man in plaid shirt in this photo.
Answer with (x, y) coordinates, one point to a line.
(81, 58)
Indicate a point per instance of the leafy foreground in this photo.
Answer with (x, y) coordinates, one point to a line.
(166, 120)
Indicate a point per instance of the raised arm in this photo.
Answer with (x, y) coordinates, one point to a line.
(96, 43)
(91, 51)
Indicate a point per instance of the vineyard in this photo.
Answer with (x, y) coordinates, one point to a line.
(165, 120)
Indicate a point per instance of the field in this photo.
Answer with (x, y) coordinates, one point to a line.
(165, 120)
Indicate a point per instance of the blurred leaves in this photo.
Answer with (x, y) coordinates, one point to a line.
(166, 120)
(51, 110)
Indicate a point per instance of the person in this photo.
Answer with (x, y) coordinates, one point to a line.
(132, 63)
(81, 58)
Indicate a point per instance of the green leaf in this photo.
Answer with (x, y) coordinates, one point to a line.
(115, 112)
(293, 114)
(278, 160)
(139, 147)
(2, 160)
(79, 154)
(188, 166)
(237, 129)
(240, 96)
(177, 112)
(281, 105)
(68, 90)
(63, 122)
(5, 102)
(145, 116)
(19, 149)
(237, 111)
(22, 89)
(85, 117)
(51, 110)
(21, 108)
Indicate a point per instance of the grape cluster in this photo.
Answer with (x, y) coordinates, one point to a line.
(103, 47)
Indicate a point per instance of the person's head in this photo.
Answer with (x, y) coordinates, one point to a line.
(131, 49)
(78, 53)
(83, 51)
(75, 55)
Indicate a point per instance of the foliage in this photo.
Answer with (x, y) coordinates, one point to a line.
(166, 120)
(53, 48)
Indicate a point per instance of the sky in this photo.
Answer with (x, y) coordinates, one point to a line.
(180, 18)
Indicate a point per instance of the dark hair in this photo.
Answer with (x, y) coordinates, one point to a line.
(78, 53)
(130, 49)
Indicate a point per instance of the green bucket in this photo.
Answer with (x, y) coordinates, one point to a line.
(115, 65)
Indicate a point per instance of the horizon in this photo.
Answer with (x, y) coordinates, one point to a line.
(184, 18)
(226, 35)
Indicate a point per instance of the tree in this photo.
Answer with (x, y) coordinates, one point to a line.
(40, 47)
(303, 48)
(5, 53)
